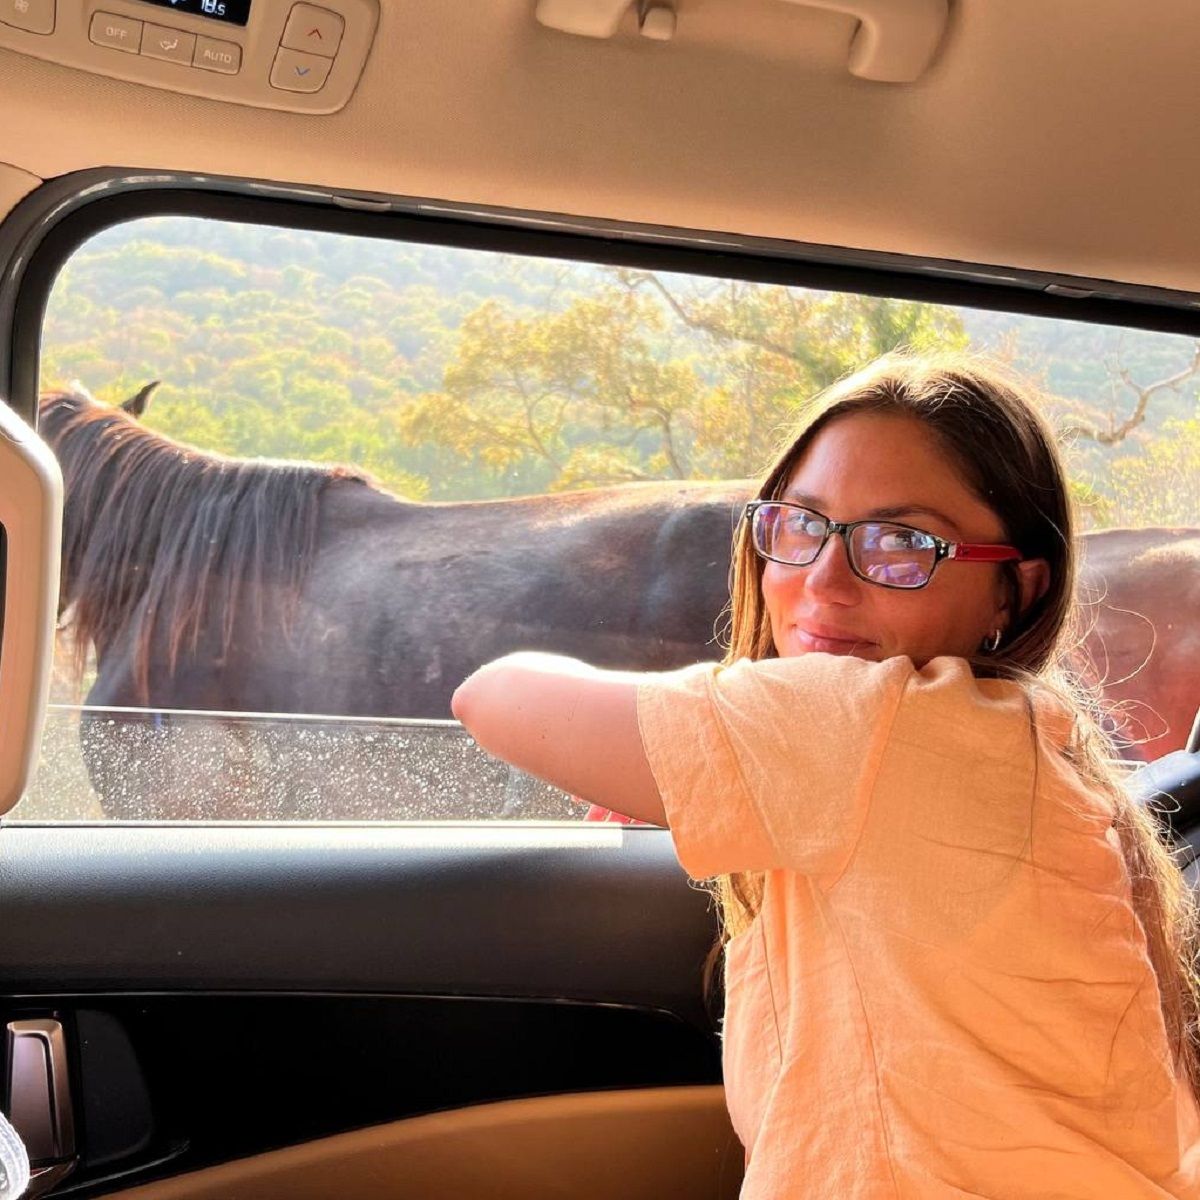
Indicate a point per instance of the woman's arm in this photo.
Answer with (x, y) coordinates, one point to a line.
(573, 725)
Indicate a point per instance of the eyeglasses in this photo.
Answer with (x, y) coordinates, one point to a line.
(880, 552)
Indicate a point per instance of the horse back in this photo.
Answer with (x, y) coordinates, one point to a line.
(404, 600)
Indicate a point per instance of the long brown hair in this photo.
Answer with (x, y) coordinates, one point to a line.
(1006, 453)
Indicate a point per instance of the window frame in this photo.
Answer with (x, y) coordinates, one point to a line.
(46, 227)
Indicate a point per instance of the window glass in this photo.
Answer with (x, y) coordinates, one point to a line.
(368, 466)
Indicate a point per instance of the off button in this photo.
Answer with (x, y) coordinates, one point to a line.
(212, 55)
(121, 33)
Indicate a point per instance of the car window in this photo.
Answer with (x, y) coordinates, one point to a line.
(314, 479)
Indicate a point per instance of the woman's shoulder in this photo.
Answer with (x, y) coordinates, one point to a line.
(943, 677)
(942, 699)
(942, 702)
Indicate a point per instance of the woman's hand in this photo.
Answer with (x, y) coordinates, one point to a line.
(570, 724)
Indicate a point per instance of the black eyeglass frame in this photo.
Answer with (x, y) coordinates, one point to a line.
(991, 552)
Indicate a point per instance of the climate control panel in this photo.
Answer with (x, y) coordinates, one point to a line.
(296, 55)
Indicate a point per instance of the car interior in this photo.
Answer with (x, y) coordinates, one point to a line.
(215, 987)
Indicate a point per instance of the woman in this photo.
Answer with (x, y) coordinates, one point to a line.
(959, 962)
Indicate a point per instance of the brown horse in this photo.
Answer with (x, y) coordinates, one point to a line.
(204, 582)
(212, 583)
(264, 586)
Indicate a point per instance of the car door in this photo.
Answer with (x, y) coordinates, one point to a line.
(489, 995)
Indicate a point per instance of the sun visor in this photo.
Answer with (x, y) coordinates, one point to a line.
(30, 544)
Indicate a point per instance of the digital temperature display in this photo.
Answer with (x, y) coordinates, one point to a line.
(236, 12)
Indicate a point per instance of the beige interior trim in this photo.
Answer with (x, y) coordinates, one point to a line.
(31, 502)
(15, 184)
(648, 1144)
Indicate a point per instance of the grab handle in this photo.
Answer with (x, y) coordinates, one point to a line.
(894, 43)
(895, 40)
(30, 545)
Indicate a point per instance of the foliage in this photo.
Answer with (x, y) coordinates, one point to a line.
(1161, 485)
(458, 374)
(616, 386)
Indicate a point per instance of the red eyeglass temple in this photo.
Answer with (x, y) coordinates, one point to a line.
(976, 552)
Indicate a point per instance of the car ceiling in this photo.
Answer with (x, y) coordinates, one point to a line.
(1045, 136)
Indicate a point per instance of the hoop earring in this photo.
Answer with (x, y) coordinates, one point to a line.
(992, 644)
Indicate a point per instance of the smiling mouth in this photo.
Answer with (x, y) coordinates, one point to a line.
(826, 642)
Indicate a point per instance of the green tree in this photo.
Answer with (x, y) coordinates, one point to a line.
(643, 380)
(1160, 485)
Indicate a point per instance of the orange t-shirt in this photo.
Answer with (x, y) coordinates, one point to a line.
(947, 992)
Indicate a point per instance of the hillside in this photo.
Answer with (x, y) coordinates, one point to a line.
(455, 373)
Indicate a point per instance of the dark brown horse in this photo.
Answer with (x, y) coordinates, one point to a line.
(264, 586)
(205, 582)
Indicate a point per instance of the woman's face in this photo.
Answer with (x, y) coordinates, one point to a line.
(890, 466)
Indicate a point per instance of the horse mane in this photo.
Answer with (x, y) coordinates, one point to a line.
(152, 524)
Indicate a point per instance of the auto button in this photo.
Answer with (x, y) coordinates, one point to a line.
(212, 55)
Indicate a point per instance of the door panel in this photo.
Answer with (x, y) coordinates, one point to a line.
(585, 912)
(225, 991)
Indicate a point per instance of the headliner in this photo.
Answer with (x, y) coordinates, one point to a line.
(1047, 136)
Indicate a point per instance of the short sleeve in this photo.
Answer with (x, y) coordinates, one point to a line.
(769, 764)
